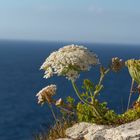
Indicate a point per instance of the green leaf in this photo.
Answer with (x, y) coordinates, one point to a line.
(70, 100)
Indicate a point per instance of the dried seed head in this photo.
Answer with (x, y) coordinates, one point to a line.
(45, 95)
(117, 64)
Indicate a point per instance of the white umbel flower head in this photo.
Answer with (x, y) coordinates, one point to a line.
(69, 61)
(45, 95)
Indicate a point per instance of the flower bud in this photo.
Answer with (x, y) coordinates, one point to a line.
(59, 102)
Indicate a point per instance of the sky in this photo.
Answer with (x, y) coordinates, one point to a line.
(98, 21)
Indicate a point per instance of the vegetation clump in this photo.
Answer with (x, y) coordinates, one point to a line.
(57, 131)
(70, 61)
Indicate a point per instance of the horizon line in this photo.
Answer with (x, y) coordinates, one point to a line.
(68, 41)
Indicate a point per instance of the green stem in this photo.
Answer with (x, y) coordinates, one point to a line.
(92, 97)
(66, 110)
(131, 91)
(102, 76)
(138, 100)
(53, 113)
(101, 80)
(83, 100)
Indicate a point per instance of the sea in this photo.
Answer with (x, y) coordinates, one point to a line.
(21, 118)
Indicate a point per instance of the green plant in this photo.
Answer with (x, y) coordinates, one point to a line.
(70, 61)
(134, 70)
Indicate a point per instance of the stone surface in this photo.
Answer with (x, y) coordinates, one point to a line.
(78, 130)
(129, 131)
(64, 139)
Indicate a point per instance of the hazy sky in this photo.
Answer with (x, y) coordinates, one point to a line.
(111, 21)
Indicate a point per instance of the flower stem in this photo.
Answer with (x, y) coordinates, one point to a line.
(101, 80)
(131, 91)
(83, 100)
(66, 110)
(102, 76)
(53, 113)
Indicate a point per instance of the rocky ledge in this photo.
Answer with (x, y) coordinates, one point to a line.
(88, 131)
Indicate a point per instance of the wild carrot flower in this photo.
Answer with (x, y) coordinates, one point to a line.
(69, 61)
(45, 95)
(134, 69)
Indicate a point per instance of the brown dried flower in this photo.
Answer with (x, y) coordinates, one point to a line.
(117, 64)
(45, 95)
(136, 105)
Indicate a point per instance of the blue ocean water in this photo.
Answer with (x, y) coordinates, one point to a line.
(20, 79)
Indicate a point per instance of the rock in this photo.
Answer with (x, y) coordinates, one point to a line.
(92, 132)
(129, 131)
(104, 134)
(64, 139)
(78, 130)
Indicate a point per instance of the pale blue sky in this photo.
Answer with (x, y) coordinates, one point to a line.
(105, 21)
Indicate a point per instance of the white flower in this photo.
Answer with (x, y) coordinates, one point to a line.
(46, 93)
(69, 61)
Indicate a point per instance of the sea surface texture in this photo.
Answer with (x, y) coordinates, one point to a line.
(20, 79)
